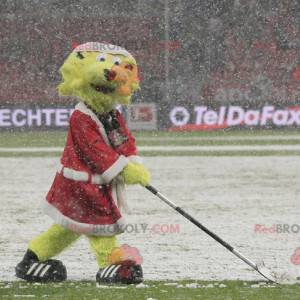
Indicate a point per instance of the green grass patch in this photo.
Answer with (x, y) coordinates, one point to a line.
(73, 290)
(212, 142)
(33, 139)
(31, 154)
(152, 138)
(234, 132)
(222, 153)
(38, 139)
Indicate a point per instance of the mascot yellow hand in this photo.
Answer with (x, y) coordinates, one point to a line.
(135, 173)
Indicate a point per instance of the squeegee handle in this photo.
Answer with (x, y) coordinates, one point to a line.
(248, 261)
(154, 191)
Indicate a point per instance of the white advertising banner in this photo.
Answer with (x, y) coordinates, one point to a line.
(142, 116)
(37, 117)
(235, 116)
(139, 116)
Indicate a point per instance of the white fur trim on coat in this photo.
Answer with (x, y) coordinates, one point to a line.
(84, 109)
(82, 228)
(115, 169)
(119, 193)
(135, 159)
(80, 175)
(121, 162)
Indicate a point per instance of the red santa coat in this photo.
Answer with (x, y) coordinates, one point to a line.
(84, 193)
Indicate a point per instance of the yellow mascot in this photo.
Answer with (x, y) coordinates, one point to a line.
(99, 159)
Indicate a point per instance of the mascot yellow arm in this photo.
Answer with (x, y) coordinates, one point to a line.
(135, 173)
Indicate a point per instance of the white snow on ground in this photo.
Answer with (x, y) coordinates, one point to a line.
(227, 194)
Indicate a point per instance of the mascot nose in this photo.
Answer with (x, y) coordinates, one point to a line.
(109, 74)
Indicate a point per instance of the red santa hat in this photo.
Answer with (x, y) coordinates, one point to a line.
(102, 47)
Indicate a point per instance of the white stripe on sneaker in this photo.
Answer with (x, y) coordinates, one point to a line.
(103, 271)
(32, 268)
(111, 270)
(38, 269)
(114, 271)
(107, 271)
(44, 271)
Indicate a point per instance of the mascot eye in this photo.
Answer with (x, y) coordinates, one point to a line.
(129, 67)
(116, 60)
(79, 55)
(101, 57)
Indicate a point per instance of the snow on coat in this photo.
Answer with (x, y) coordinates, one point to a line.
(83, 196)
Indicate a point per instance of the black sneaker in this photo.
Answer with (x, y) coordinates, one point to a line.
(126, 272)
(32, 270)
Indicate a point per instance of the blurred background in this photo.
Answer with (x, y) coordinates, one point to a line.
(227, 69)
(239, 54)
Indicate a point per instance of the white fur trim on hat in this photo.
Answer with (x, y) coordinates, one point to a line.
(101, 47)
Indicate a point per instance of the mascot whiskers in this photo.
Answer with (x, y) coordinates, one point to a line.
(99, 159)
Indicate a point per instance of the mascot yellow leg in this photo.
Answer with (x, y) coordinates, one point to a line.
(36, 265)
(56, 239)
(103, 246)
(52, 242)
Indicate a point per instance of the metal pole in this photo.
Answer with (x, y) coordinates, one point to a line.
(166, 49)
(260, 269)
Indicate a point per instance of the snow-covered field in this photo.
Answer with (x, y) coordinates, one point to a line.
(227, 194)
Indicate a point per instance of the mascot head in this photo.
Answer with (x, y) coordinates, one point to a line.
(102, 75)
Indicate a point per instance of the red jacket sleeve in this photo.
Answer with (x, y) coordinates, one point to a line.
(93, 150)
(128, 148)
